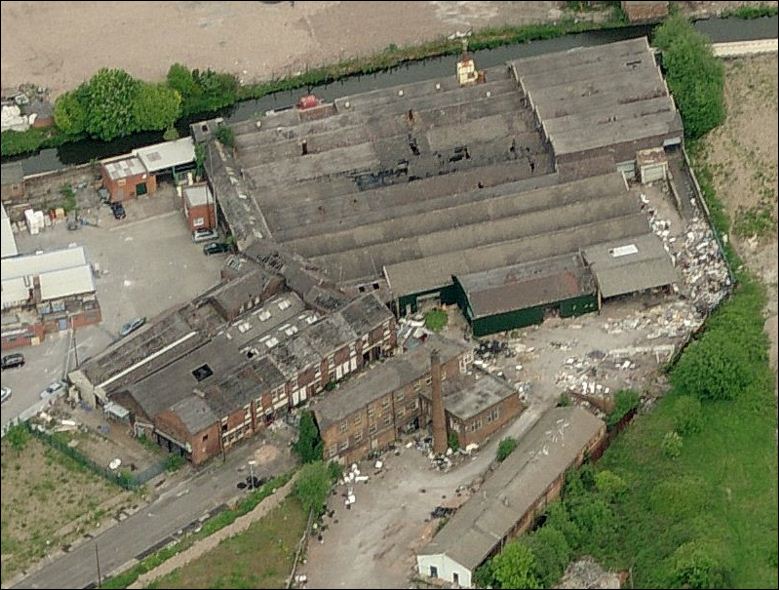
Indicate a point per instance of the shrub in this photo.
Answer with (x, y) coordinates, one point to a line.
(610, 485)
(170, 134)
(70, 112)
(672, 444)
(688, 417)
(335, 469)
(18, 436)
(202, 91)
(173, 462)
(564, 401)
(625, 401)
(156, 106)
(436, 319)
(312, 486)
(699, 564)
(552, 554)
(226, 136)
(515, 567)
(506, 447)
(557, 516)
(453, 441)
(309, 445)
(695, 77)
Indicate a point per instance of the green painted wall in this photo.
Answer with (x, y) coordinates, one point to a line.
(447, 295)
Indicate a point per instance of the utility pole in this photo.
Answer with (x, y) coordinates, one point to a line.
(97, 558)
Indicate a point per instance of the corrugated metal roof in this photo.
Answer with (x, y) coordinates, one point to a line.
(167, 154)
(124, 168)
(67, 282)
(198, 195)
(7, 239)
(618, 271)
(542, 456)
(35, 264)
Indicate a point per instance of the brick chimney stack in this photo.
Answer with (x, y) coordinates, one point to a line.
(440, 442)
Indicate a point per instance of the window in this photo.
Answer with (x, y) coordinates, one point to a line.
(385, 403)
(224, 427)
(357, 419)
(387, 420)
(372, 429)
(417, 386)
(333, 450)
(357, 437)
(401, 412)
(399, 396)
(412, 405)
(455, 578)
(428, 379)
(344, 445)
(344, 425)
(433, 571)
(205, 437)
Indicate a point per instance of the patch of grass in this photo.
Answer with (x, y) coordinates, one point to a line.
(750, 12)
(436, 320)
(212, 525)
(260, 557)
(754, 221)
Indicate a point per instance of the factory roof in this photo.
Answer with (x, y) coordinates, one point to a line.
(466, 396)
(67, 282)
(629, 265)
(593, 97)
(391, 375)
(7, 239)
(198, 194)
(542, 456)
(526, 285)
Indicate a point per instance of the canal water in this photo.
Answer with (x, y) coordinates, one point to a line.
(718, 30)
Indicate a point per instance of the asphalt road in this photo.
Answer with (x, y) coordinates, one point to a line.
(175, 508)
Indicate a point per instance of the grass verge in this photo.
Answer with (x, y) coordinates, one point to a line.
(260, 557)
(212, 525)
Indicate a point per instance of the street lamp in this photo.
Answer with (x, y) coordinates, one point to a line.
(251, 473)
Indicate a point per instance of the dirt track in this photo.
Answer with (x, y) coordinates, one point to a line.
(61, 44)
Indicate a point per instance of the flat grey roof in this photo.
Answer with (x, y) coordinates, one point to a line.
(198, 194)
(599, 95)
(526, 285)
(386, 377)
(168, 154)
(630, 265)
(124, 168)
(466, 396)
(543, 454)
(12, 173)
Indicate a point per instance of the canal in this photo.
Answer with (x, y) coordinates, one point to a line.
(718, 30)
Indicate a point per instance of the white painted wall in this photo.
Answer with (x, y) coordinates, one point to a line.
(446, 568)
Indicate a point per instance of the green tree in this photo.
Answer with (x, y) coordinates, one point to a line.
(484, 577)
(312, 486)
(200, 159)
(505, 448)
(309, 445)
(695, 77)
(718, 366)
(515, 566)
(552, 554)
(180, 78)
(156, 106)
(610, 485)
(699, 564)
(111, 96)
(594, 518)
(557, 516)
(688, 416)
(70, 113)
(170, 134)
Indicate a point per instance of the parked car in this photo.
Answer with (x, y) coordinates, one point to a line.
(204, 235)
(118, 210)
(6, 395)
(15, 359)
(52, 389)
(215, 248)
(132, 326)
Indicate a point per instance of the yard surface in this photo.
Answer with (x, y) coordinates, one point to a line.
(261, 557)
(44, 491)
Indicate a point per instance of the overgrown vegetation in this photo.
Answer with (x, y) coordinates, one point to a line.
(212, 525)
(309, 445)
(69, 198)
(625, 401)
(312, 486)
(226, 136)
(750, 12)
(505, 448)
(202, 91)
(436, 320)
(695, 77)
(453, 441)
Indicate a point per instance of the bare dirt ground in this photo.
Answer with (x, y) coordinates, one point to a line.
(744, 159)
(60, 44)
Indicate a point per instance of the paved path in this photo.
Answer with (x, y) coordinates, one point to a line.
(745, 48)
(175, 508)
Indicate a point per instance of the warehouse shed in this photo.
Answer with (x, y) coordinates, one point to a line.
(605, 102)
(523, 294)
(630, 265)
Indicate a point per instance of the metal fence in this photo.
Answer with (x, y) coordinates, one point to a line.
(29, 413)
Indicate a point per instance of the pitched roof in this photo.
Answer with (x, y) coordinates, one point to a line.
(543, 454)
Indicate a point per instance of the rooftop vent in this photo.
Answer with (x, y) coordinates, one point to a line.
(202, 372)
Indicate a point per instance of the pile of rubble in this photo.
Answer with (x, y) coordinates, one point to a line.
(670, 320)
(698, 258)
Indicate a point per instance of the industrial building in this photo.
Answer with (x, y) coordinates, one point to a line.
(512, 496)
(481, 190)
(46, 292)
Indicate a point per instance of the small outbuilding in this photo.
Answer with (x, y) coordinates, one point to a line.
(126, 177)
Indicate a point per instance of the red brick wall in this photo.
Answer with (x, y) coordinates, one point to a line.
(21, 340)
(206, 212)
(508, 410)
(121, 192)
(202, 450)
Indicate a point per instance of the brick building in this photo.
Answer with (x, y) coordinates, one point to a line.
(199, 207)
(476, 406)
(374, 409)
(126, 178)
